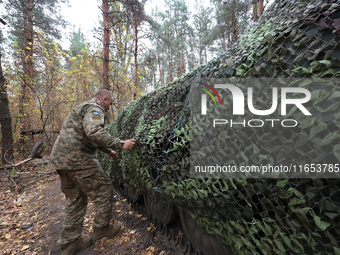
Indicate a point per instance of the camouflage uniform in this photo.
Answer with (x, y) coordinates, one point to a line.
(81, 175)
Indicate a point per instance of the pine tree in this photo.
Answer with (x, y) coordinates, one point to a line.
(172, 32)
(203, 26)
(77, 42)
(121, 62)
(229, 17)
(25, 18)
(106, 44)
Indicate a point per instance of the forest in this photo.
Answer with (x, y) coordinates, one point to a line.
(135, 53)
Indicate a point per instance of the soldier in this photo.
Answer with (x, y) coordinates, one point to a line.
(81, 176)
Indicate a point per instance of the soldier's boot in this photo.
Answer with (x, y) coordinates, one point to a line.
(79, 244)
(110, 231)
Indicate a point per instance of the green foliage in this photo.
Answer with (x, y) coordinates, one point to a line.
(77, 42)
(45, 14)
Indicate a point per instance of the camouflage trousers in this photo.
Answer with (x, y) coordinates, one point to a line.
(78, 186)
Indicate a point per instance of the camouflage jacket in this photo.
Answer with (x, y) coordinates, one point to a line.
(81, 135)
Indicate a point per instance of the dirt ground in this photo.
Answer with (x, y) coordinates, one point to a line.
(31, 216)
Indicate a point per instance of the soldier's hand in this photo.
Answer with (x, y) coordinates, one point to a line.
(113, 154)
(129, 144)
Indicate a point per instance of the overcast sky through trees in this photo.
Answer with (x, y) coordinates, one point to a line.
(85, 14)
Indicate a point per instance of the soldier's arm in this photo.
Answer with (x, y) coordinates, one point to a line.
(93, 124)
(105, 150)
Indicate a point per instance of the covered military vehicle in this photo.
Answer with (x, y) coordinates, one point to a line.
(239, 215)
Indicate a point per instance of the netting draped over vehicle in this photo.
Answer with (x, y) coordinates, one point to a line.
(294, 39)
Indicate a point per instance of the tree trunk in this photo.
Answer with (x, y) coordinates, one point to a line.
(255, 17)
(178, 54)
(27, 62)
(200, 53)
(234, 22)
(228, 35)
(257, 9)
(106, 44)
(179, 65)
(161, 73)
(136, 61)
(171, 68)
(260, 8)
(5, 122)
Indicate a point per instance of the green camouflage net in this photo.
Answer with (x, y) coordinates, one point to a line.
(297, 39)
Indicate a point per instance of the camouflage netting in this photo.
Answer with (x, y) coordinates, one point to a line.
(297, 39)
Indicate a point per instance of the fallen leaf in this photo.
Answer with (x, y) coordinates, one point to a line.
(25, 247)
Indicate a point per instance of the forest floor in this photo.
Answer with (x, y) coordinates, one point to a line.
(32, 213)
